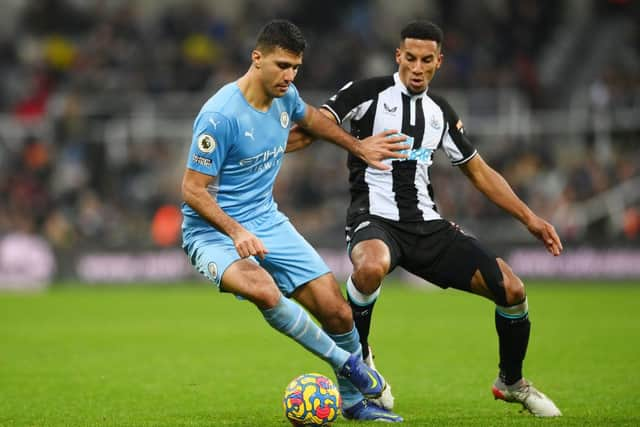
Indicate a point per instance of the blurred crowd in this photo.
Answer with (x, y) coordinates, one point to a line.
(70, 67)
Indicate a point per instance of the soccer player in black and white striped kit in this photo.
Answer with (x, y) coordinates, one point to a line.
(393, 220)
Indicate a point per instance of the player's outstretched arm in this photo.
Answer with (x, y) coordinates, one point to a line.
(498, 190)
(373, 150)
(195, 194)
(298, 139)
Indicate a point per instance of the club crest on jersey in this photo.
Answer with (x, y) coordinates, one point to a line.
(213, 270)
(434, 122)
(284, 119)
(206, 143)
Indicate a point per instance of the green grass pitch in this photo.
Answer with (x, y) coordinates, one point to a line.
(188, 356)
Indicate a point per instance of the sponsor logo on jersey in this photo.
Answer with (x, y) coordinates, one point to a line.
(265, 160)
(421, 155)
(206, 143)
(284, 119)
(202, 161)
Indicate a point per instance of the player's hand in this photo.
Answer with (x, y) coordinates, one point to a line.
(547, 234)
(248, 245)
(382, 146)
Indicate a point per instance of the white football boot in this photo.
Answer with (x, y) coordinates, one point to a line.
(386, 400)
(526, 394)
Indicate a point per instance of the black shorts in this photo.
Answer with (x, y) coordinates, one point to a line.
(437, 251)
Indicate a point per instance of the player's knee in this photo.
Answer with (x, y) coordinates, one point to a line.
(265, 295)
(368, 276)
(514, 291)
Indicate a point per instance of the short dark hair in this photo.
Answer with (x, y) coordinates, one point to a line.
(422, 30)
(281, 33)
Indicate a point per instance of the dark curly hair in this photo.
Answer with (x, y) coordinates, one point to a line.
(281, 33)
(422, 30)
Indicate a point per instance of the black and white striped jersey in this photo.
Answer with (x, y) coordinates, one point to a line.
(403, 193)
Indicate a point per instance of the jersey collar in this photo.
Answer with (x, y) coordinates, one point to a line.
(403, 88)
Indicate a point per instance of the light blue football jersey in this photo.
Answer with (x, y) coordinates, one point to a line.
(243, 148)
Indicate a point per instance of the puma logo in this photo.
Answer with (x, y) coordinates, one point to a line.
(214, 123)
(249, 134)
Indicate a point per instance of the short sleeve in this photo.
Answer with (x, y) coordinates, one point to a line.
(343, 102)
(455, 143)
(354, 99)
(212, 137)
(299, 106)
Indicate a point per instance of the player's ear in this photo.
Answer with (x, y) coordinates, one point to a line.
(256, 58)
(398, 55)
(440, 58)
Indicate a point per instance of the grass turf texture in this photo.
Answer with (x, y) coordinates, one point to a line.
(188, 356)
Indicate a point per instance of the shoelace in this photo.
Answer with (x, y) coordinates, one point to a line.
(530, 391)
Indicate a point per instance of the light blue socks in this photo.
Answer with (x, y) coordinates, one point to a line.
(351, 343)
(293, 321)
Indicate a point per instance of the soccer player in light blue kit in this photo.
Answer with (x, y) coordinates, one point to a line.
(233, 232)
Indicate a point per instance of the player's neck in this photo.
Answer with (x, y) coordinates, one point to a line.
(254, 93)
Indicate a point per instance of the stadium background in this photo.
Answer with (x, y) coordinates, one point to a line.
(97, 100)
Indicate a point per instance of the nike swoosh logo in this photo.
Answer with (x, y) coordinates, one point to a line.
(374, 380)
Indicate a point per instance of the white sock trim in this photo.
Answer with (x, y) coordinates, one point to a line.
(360, 298)
(515, 310)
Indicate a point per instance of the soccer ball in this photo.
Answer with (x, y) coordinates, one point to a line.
(311, 400)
